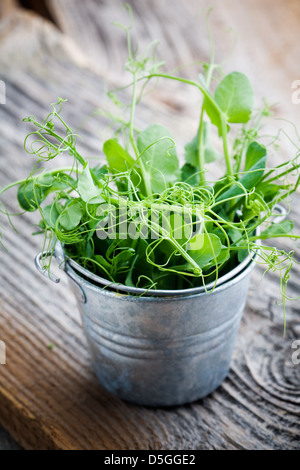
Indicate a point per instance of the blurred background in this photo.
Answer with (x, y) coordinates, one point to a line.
(70, 48)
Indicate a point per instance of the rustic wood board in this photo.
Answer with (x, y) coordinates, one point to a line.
(50, 399)
(265, 34)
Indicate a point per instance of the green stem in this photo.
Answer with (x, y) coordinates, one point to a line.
(132, 111)
(247, 140)
(188, 82)
(225, 145)
(208, 96)
(282, 235)
(201, 154)
(145, 174)
(146, 179)
(164, 234)
(200, 146)
(186, 256)
(60, 139)
(9, 186)
(289, 170)
(19, 182)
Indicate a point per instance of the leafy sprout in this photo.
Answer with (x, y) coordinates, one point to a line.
(143, 219)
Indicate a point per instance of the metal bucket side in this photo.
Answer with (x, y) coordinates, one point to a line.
(161, 351)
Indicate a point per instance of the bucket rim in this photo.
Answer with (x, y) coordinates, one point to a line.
(114, 287)
(84, 283)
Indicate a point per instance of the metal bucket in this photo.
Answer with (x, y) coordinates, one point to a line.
(159, 350)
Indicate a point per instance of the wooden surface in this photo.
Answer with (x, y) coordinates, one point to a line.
(50, 399)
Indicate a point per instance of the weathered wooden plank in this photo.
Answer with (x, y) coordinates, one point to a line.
(266, 35)
(7, 6)
(51, 398)
(39, 6)
(7, 442)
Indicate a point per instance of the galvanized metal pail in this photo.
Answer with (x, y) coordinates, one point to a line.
(159, 350)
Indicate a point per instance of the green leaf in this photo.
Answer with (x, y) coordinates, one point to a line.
(210, 153)
(179, 229)
(103, 262)
(189, 174)
(255, 152)
(122, 258)
(235, 234)
(222, 257)
(242, 254)
(32, 193)
(87, 189)
(234, 95)
(141, 265)
(269, 191)
(30, 196)
(60, 183)
(276, 229)
(254, 174)
(191, 152)
(204, 247)
(118, 159)
(158, 155)
(98, 172)
(213, 113)
(50, 214)
(45, 180)
(191, 149)
(248, 180)
(71, 216)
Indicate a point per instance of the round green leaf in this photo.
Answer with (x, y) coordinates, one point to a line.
(235, 97)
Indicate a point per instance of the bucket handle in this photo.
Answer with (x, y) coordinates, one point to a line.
(44, 271)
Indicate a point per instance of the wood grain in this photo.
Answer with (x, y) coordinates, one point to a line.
(259, 38)
(50, 399)
(39, 6)
(7, 6)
